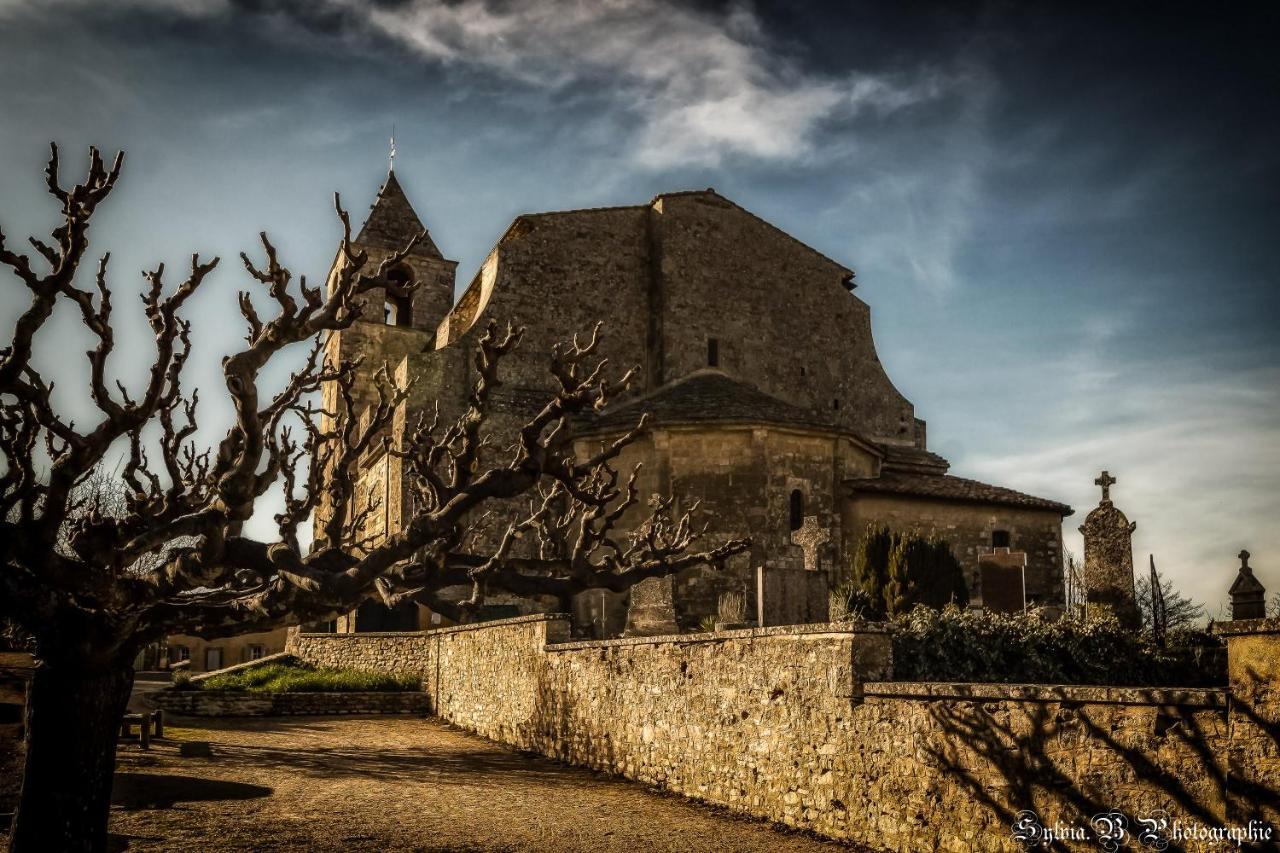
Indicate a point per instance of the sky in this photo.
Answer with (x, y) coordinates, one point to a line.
(1064, 219)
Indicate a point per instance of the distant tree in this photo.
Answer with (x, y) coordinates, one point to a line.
(1180, 612)
(1274, 610)
(893, 572)
(93, 583)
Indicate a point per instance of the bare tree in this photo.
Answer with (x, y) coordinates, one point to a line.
(1180, 612)
(94, 586)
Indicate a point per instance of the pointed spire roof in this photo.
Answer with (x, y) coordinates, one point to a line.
(1246, 583)
(392, 222)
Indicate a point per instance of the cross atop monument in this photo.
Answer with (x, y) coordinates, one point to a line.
(1106, 481)
(809, 538)
(1244, 562)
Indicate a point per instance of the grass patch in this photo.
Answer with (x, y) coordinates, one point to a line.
(302, 678)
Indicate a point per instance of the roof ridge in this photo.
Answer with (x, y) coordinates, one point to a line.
(1003, 494)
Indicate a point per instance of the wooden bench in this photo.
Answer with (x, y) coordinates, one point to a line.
(147, 724)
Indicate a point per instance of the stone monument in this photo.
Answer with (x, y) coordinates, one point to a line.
(1248, 595)
(1108, 560)
(809, 539)
(651, 611)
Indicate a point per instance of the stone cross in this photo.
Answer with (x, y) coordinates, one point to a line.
(809, 538)
(1244, 562)
(1106, 481)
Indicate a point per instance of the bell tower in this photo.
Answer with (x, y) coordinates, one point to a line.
(391, 328)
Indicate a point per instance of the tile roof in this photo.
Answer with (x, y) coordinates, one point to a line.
(949, 488)
(909, 458)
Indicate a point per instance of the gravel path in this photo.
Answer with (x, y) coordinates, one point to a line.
(398, 783)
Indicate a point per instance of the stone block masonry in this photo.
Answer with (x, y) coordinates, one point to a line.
(800, 725)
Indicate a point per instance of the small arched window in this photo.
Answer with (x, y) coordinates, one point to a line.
(1000, 539)
(398, 310)
(797, 509)
(713, 352)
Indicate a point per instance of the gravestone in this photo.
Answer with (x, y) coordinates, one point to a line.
(1002, 581)
(651, 611)
(1248, 595)
(791, 596)
(1108, 560)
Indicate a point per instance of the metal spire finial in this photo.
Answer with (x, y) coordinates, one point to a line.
(391, 158)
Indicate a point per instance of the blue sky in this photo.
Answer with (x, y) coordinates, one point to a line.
(1065, 222)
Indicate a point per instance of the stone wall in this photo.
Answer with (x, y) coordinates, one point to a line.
(227, 703)
(798, 725)
(1253, 760)
(16, 670)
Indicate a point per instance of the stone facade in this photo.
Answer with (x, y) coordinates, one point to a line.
(972, 529)
(226, 703)
(208, 655)
(756, 364)
(799, 725)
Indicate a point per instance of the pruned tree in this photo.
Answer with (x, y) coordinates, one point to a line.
(93, 585)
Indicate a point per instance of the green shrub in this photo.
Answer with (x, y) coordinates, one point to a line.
(893, 572)
(961, 645)
(302, 678)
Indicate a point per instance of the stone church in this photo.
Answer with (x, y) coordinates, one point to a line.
(768, 402)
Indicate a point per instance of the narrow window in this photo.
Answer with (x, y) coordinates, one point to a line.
(713, 352)
(802, 370)
(797, 509)
(398, 310)
(1000, 539)
(835, 404)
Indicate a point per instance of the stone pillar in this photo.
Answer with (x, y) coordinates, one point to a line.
(1248, 595)
(1253, 754)
(1108, 561)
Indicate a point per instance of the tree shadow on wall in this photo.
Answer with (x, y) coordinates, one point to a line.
(1032, 765)
(1249, 798)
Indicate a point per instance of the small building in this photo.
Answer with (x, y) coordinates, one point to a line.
(208, 655)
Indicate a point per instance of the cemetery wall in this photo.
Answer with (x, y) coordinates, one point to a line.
(798, 725)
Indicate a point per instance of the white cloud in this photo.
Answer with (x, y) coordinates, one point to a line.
(1195, 454)
(704, 85)
(699, 85)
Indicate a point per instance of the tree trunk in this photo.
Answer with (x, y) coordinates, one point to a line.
(74, 713)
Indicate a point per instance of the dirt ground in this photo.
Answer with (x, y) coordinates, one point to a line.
(398, 783)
